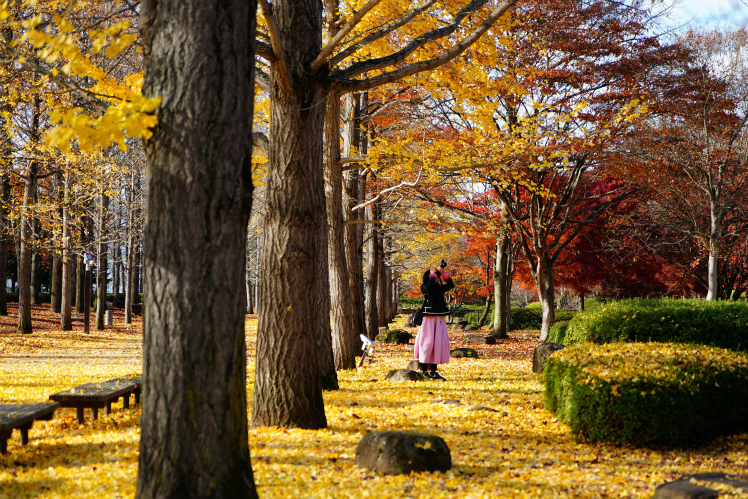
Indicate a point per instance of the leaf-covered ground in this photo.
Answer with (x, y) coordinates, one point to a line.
(518, 451)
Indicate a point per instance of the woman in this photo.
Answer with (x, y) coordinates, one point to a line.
(432, 342)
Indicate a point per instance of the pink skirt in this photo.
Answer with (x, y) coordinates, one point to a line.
(432, 341)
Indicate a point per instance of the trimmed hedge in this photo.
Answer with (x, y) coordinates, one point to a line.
(721, 324)
(648, 394)
(532, 318)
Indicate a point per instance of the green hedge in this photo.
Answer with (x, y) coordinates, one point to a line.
(532, 318)
(648, 394)
(717, 323)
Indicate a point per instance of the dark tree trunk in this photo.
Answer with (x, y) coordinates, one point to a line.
(55, 300)
(68, 257)
(130, 276)
(288, 376)
(326, 362)
(340, 293)
(372, 274)
(199, 58)
(102, 266)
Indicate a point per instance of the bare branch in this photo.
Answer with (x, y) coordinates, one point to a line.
(385, 191)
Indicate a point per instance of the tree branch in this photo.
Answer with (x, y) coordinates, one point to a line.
(280, 67)
(260, 141)
(379, 34)
(388, 190)
(90, 97)
(326, 51)
(344, 84)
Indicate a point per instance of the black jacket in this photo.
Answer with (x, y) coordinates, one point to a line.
(433, 293)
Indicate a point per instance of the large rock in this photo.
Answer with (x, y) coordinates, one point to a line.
(394, 336)
(479, 338)
(414, 365)
(398, 375)
(541, 354)
(701, 486)
(460, 353)
(400, 452)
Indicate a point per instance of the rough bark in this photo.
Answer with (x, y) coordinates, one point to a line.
(194, 436)
(353, 231)
(288, 384)
(372, 274)
(102, 266)
(342, 330)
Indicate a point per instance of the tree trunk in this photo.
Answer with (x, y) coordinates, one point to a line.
(130, 250)
(372, 274)
(55, 300)
(501, 279)
(27, 244)
(80, 283)
(199, 57)
(327, 374)
(4, 228)
(73, 272)
(288, 377)
(487, 308)
(102, 267)
(36, 274)
(353, 231)
(342, 330)
(381, 283)
(715, 238)
(66, 294)
(546, 294)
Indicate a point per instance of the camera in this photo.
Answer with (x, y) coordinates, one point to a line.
(443, 264)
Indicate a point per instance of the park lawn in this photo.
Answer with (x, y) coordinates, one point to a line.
(518, 451)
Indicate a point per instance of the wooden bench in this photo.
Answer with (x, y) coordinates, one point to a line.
(22, 416)
(98, 395)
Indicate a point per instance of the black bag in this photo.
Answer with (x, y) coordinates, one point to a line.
(418, 318)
